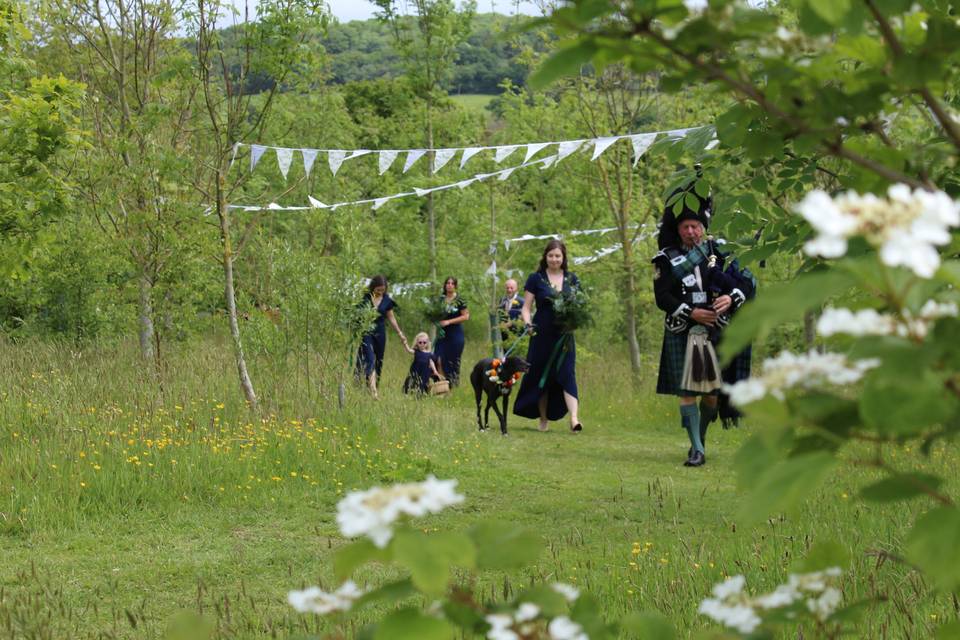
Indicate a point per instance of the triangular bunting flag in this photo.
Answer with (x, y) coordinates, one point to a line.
(463, 184)
(712, 144)
(506, 173)
(386, 159)
(356, 153)
(316, 204)
(379, 202)
(309, 156)
(421, 192)
(468, 153)
(492, 269)
(256, 151)
(602, 144)
(504, 152)
(284, 157)
(566, 148)
(641, 143)
(442, 157)
(233, 156)
(549, 161)
(533, 149)
(413, 156)
(335, 159)
(274, 206)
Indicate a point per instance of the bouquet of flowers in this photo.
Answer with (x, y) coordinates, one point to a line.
(362, 318)
(571, 308)
(436, 309)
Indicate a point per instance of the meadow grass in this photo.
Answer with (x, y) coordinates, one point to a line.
(472, 101)
(122, 508)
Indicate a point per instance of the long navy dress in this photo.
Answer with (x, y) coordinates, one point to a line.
(374, 342)
(562, 376)
(449, 348)
(420, 373)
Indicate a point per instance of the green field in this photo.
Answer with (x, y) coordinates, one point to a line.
(120, 509)
(473, 101)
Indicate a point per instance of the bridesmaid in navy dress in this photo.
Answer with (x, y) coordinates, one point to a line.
(558, 394)
(374, 342)
(449, 347)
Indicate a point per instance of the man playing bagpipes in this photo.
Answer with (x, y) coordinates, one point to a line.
(698, 286)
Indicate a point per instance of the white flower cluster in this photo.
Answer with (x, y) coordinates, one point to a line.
(907, 225)
(372, 512)
(790, 370)
(520, 623)
(868, 322)
(316, 600)
(732, 607)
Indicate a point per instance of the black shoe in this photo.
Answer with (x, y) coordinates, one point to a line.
(696, 460)
(577, 428)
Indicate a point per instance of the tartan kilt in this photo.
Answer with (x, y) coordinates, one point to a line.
(739, 368)
(672, 355)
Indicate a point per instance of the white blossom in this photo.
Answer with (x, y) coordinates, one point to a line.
(741, 617)
(695, 6)
(569, 592)
(372, 512)
(907, 225)
(790, 370)
(500, 627)
(563, 628)
(316, 600)
(730, 587)
(869, 322)
(526, 611)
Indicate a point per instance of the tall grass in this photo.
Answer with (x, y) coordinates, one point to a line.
(127, 501)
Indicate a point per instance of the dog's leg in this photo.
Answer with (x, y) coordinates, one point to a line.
(478, 394)
(486, 412)
(503, 418)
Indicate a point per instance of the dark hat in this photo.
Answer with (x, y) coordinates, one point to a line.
(683, 197)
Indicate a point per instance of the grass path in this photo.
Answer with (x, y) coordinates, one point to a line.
(619, 514)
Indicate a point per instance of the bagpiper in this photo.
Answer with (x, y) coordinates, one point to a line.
(699, 287)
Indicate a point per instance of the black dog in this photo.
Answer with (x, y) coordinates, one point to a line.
(482, 384)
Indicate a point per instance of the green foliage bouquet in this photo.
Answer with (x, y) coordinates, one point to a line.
(571, 308)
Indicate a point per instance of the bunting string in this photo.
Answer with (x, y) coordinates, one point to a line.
(442, 156)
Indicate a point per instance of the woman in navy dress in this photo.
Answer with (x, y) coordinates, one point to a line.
(374, 342)
(449, 347)
(549, 389)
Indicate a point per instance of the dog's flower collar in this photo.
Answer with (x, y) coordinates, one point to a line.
(494, 375)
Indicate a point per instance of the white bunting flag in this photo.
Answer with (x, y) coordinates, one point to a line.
(712, 144)
(492, 269)
(379, 202)
(641, 143)
(468, 153)
(412, 156)
(506, 173)
(422, 192)
(284, 157)
(504, 152)
(442, 157)
(335, 159)
(356, 153)
(600, 145)
(463, 184)
(309, 156)
(275, 206)
(533, 149)
(549, 161)
(316, 204)
(256, 151)
(386, 159)
(566, 148)
(233, 156)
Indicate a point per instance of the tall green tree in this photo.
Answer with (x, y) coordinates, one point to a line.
(427, 41)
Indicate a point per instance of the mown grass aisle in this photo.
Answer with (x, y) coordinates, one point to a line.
(118, 509)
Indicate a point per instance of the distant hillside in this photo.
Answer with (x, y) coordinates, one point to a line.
(362, 50)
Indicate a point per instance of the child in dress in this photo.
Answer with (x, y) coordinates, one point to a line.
(423, 367)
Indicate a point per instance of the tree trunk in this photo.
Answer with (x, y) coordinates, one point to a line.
(630, 307)
(146, 318)
(245, 384)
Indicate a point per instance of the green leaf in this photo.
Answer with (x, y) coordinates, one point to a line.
(648, 625)
(932, 545)
(784, 486)
(902, 486)
(779, 304)
(410, 624)
(833, 11)
(429, 571)
(387, 594)
(760, 453)
(551, 603)
(565, 62)
(504, 546)
(823, 555)
(949, 631)
(904, 406)
(828, 411)
(347, 558)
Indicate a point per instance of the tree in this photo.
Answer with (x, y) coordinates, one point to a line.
(428, 43)
(274, 45)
